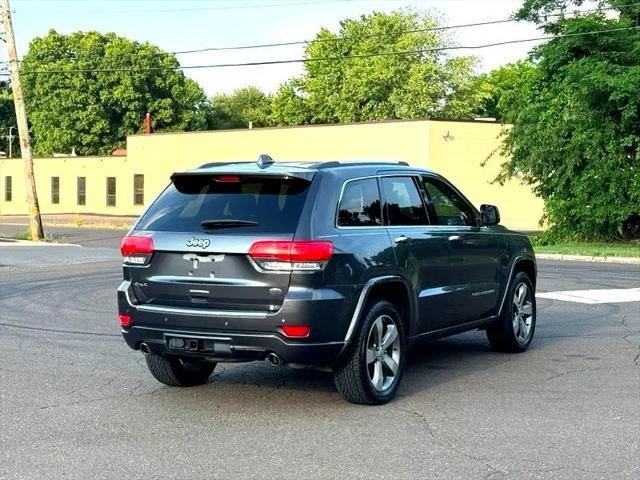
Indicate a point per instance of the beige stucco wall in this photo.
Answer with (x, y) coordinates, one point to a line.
(162, 154)
(95, 169)
(455, 149)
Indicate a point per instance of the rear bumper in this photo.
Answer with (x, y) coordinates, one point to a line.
(243, 336)
(233, 347)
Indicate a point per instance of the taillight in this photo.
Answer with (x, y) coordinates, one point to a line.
(291, 256)
(296, 331)
(125, 320)
(136, 250)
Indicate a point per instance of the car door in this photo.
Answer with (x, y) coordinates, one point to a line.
(421, 250)
(473, 252)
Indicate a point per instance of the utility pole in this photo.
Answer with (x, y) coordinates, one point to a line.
(10, 141)
(35, 221)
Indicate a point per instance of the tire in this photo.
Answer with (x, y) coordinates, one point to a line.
(178, 372)
(366, 377)
(513, 331)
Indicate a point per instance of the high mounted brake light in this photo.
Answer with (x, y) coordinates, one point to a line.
(291, 256)
(227, 178)
(136, 250)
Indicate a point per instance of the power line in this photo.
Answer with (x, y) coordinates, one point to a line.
(203, 9)
(371, 35)
(321, 40)
(332, 58)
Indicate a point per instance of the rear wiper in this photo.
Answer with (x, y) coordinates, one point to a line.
(212, 224)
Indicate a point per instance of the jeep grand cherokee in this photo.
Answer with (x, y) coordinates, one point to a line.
(331, 264)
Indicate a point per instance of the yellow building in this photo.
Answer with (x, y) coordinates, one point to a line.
(124, 185)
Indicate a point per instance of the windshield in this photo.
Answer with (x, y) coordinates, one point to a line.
(249, 204)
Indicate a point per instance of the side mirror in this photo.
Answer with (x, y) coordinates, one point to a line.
(490, 215)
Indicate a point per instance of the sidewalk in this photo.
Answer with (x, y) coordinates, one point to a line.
(74, 220)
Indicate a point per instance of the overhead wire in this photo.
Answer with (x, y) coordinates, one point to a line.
(403, 32)
(256, 6)
(329, 58)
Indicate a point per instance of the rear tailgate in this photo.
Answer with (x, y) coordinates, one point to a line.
(217, 275)
(208, 267)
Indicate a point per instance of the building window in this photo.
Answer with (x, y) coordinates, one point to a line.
(111, 191)
(55, 190)
(138, 189)
(82, 190)
(8, 190)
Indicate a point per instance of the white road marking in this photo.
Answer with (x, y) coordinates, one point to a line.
(617, 295)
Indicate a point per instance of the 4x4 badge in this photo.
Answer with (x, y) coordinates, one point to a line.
(198, 242)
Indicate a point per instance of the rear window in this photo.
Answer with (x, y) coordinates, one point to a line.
(274, 204)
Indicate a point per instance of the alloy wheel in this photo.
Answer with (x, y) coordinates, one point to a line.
(383, 353)
(522, 313)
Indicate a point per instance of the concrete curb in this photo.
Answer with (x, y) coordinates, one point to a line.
(584, 258)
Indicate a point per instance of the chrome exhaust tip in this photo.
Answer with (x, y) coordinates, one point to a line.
(144, 348)
(274, 359)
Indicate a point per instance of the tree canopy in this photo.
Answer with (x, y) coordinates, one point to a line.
(576, 122)
(345, 79)
(499, 88)
(248, 105)
(8, 120)
(93, 111)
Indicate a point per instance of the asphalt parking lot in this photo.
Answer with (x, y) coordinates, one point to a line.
(75, 402)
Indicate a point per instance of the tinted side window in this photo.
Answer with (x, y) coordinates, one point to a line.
(360, 204)
(403, 203)
(447, 206)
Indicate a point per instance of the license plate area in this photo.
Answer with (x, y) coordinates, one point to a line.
(198, 344)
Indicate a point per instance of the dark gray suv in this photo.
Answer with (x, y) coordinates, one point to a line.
(333, 264)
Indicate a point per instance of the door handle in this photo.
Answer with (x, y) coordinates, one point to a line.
(401, 239)
(454, 238)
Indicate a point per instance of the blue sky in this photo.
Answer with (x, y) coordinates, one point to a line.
(186, 24)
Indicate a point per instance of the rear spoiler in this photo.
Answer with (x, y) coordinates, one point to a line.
(193, 182)
(302, 174)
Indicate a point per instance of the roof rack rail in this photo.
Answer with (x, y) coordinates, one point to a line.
(318, 165)
(336, 163)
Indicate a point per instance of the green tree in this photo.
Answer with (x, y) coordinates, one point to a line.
(576, 123)
(8, 120)
(243, 106)
(424, 82)
(499, 87)
(94, 111)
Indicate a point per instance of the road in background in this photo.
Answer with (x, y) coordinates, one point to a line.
(75, 402)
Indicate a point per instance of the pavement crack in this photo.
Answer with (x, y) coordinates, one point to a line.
(423, 420)
(493, 470)
(626, 338)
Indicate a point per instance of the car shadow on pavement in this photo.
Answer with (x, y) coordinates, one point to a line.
(465, 358)
(429, 364)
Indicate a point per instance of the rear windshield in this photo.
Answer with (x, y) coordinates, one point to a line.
(271, 205)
